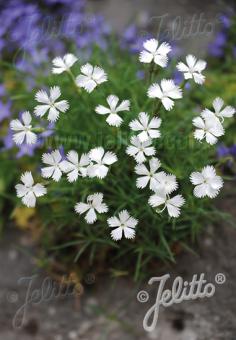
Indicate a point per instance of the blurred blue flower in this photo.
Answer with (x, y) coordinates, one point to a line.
(27, 150)
(8, 141)
(222, 151)
(178, 77)
(225, 20)
(216, 48)
(2, 90)
(140, 74)
(234, 51)
(130, 34)
(232, 150)
(5, 110)
(132, 40)
(34, 32)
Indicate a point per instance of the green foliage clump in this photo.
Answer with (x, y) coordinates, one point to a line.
(65, 235)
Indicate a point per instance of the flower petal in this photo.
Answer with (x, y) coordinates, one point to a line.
(91, 216)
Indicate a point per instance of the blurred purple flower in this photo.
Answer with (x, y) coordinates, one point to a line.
(140, 74)
(49, 130)
(175, 50)
(133, 40)
(60, 2)
(130, 34)
(8, 141)
(27, 150)
(217, 46)
(232, 150)
(35, 32)
(62, 151)
(234, 51)
(2, 90)
(5, 110)
(222, 151)
(225, 20)
(178, 77)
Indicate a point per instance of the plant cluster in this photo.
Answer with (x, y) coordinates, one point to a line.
(172, 149)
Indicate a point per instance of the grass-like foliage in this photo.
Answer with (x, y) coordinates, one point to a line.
(65, 235)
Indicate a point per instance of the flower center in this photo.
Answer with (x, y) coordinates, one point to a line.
(28, 128)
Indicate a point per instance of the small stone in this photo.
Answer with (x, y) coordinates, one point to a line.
(51, 311)
(84, 327)
(12, 255)
(72, 335)
(58, 337)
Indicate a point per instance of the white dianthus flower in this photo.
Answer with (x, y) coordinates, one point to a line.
(28, 191)
(206, 182)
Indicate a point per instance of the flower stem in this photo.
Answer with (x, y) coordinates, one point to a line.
(72, 77)
(184, 82)
(156, 107)
(38, 129)
(151, 71)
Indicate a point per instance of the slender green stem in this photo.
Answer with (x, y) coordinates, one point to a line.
(72, 77)
(151, 71)
(156, 107)
(184, 82)
(38, 129)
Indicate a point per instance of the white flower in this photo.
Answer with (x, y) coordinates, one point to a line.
(100, 162)
(172, 204)
(208, 127)
(166, 182)
(91, 77)
(148, 175)
(28, 191)
(139, 150)
(148, 127)
(157, 180)
(63, 64)
(55, 165)
(49, 103)
(94, 204)
(193, 69)
(75, 167)
(23, 130)
(207, 182)
(113, 118)
(155, 53)
(125, 223)
(219, 112)
(164, 92)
